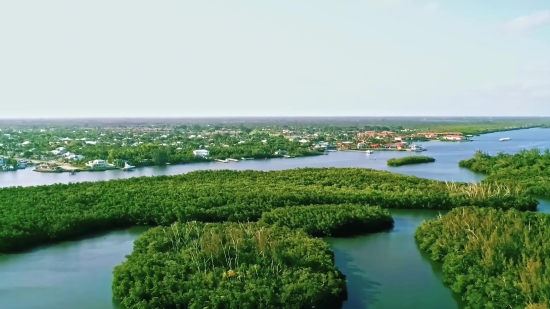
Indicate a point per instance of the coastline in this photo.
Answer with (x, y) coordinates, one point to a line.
(72, 169)
(510, 129)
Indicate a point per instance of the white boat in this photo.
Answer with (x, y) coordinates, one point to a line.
(222, 161)
(369, 151)
(416, 148)
(128, 167)
(504, 139)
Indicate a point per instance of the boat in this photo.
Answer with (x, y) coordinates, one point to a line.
(128, 167)
(369, 151)
(288, 157)
(233, 160)
(416, 148)
(222, 161)
(504, 139)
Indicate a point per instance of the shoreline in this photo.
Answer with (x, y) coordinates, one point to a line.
(511, 129)
(229, 160)
(76, 169)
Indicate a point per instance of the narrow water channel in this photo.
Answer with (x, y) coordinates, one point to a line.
(385, 270)
(399, 275)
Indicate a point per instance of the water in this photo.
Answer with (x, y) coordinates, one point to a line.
(385, 270)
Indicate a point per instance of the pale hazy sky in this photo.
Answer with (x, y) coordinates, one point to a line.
(271, 58)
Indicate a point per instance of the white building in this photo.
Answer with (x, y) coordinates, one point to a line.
(59, 151)
(201, 152)
(453, 137)
(96, 163)
(73, 156)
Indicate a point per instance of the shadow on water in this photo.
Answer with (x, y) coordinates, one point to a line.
(438, 272)
(362, 292)
(75, 240)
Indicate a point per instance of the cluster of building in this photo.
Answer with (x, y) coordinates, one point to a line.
(389, 135)
(5, 167)
(62, 151)
(451, 136)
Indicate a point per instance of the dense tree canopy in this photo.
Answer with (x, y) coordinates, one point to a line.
(331, 220)
(496, 259)
(529, 169)
(410, 160)
(229, 265)
(31, 216)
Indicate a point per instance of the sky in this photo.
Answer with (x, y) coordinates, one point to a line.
(274, 58)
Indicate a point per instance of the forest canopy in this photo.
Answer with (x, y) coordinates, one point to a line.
(529, 168)
(494, 258)
(229, 265)
(31, 216)
(331, 220)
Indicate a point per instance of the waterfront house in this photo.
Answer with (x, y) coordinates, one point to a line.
(453, 137)
(97, 164)
(59, 151)
(201, 152)
(73, 156)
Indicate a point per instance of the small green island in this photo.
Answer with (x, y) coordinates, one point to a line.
(229, 265)
(410, 160)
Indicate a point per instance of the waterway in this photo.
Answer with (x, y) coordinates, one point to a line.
(385, 270)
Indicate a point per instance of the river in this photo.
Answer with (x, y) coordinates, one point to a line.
(385, 270)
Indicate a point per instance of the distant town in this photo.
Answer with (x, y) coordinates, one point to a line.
(74, 149)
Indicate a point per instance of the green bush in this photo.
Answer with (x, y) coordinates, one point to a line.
(229, 265)
(528, 169)
(495, 258)
(331, 220)
(409, 160)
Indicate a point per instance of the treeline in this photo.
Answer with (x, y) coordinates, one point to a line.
(153, 154)
(409, 160)
(529, 169)
(331, 220)
(229, 265)
(495, 259)
(31, 216)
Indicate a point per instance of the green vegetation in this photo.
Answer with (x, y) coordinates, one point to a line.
(229, 265)
(331, 220)
(31, 216)
(409, 160)
(529, 169)
(495, 258)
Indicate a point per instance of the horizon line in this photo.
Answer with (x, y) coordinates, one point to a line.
(252, 117)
